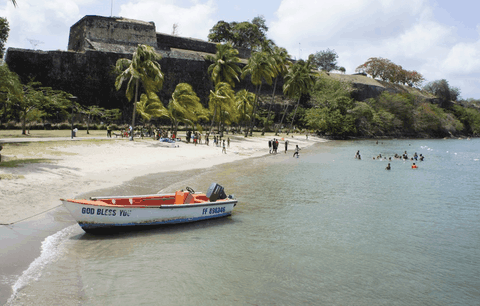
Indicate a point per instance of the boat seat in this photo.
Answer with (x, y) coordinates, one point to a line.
(183, 197)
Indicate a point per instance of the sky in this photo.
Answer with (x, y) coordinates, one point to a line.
(438, 38)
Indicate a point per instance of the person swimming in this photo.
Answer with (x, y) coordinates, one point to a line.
(414, 166)
(388, 167)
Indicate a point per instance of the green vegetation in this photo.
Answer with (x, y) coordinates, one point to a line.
(250, 35)
(326, 60)
(20, 162)
(297, 82)
(4, 30)
(142, 68)
(260, 67)
(319, 101)
(384, 69)
(32, 106)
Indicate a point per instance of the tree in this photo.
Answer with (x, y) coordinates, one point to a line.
(222, 96)
(142, 68)
(185, 106)
(224, 67)
(244, 34)
(221, 33)
(374, 66)
(333, 103)
(298, 81)
(150, 106)
(442, 89)
(91, 112)
(260, 66)
(281, 62)
(10, 88)
(325, 60)
(29, 102)
(244, 101)
(414, 78)
(388, 71)
(4, 30)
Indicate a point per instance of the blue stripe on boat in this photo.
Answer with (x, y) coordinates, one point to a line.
(111, 225)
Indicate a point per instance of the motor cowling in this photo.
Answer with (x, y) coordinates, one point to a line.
(215, 192)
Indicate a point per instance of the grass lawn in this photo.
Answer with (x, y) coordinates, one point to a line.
(51, 133)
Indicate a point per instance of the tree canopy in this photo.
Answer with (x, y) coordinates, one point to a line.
(244, 34)
(224, 67)
(443, 90)
(144, 68)
(386, 70)
(325, 60)
(4, 30)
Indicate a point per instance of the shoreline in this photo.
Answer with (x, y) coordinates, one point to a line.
(84, 167)
(35, 212)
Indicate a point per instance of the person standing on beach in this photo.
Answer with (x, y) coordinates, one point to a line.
(228, 142)
(270, 146)
(296, 151)
(224, 150)
(286, 146)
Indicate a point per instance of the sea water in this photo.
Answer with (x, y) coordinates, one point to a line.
(323, 229)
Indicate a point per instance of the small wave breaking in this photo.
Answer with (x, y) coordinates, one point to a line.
(51, 251)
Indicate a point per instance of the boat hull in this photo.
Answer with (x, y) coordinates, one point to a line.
(93, 218)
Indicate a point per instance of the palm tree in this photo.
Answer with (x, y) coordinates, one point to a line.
(144, 68)
(280, 56)
(184, 106)
(298, 81)
(225, 65)
(260, 67)
(222, 97)
(244, 101)
(150, 106)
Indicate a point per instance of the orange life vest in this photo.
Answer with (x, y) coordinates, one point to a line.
(414, 166)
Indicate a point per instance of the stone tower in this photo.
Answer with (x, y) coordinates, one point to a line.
(110, 34)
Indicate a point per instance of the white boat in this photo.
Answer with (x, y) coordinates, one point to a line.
(110, 212)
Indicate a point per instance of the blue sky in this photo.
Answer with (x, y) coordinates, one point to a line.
(438, 38)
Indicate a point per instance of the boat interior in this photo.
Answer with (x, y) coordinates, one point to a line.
(179, 197)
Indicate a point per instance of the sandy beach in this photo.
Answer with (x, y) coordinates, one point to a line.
(85, 166)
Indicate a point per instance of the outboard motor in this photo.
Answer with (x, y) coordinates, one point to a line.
(215, 192)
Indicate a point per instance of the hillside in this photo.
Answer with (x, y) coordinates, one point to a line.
(366, 87)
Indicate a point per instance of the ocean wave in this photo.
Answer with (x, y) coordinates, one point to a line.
(51, 251)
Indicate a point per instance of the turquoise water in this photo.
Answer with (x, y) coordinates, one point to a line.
(321, 229)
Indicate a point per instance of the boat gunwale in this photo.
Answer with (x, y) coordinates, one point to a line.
(164, 206)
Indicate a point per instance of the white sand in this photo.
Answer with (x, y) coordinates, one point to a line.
(108, 164)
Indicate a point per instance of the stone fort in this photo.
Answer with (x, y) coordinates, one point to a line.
(94, 46)
(86, 69)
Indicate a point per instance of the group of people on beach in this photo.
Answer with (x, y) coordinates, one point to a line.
(273, 147)
(403, 157)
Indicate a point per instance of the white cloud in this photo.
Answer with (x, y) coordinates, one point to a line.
(406, 32)
(193, 21)
(463, 58)
(41, 21)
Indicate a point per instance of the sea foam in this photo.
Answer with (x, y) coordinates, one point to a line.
(51, 251)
